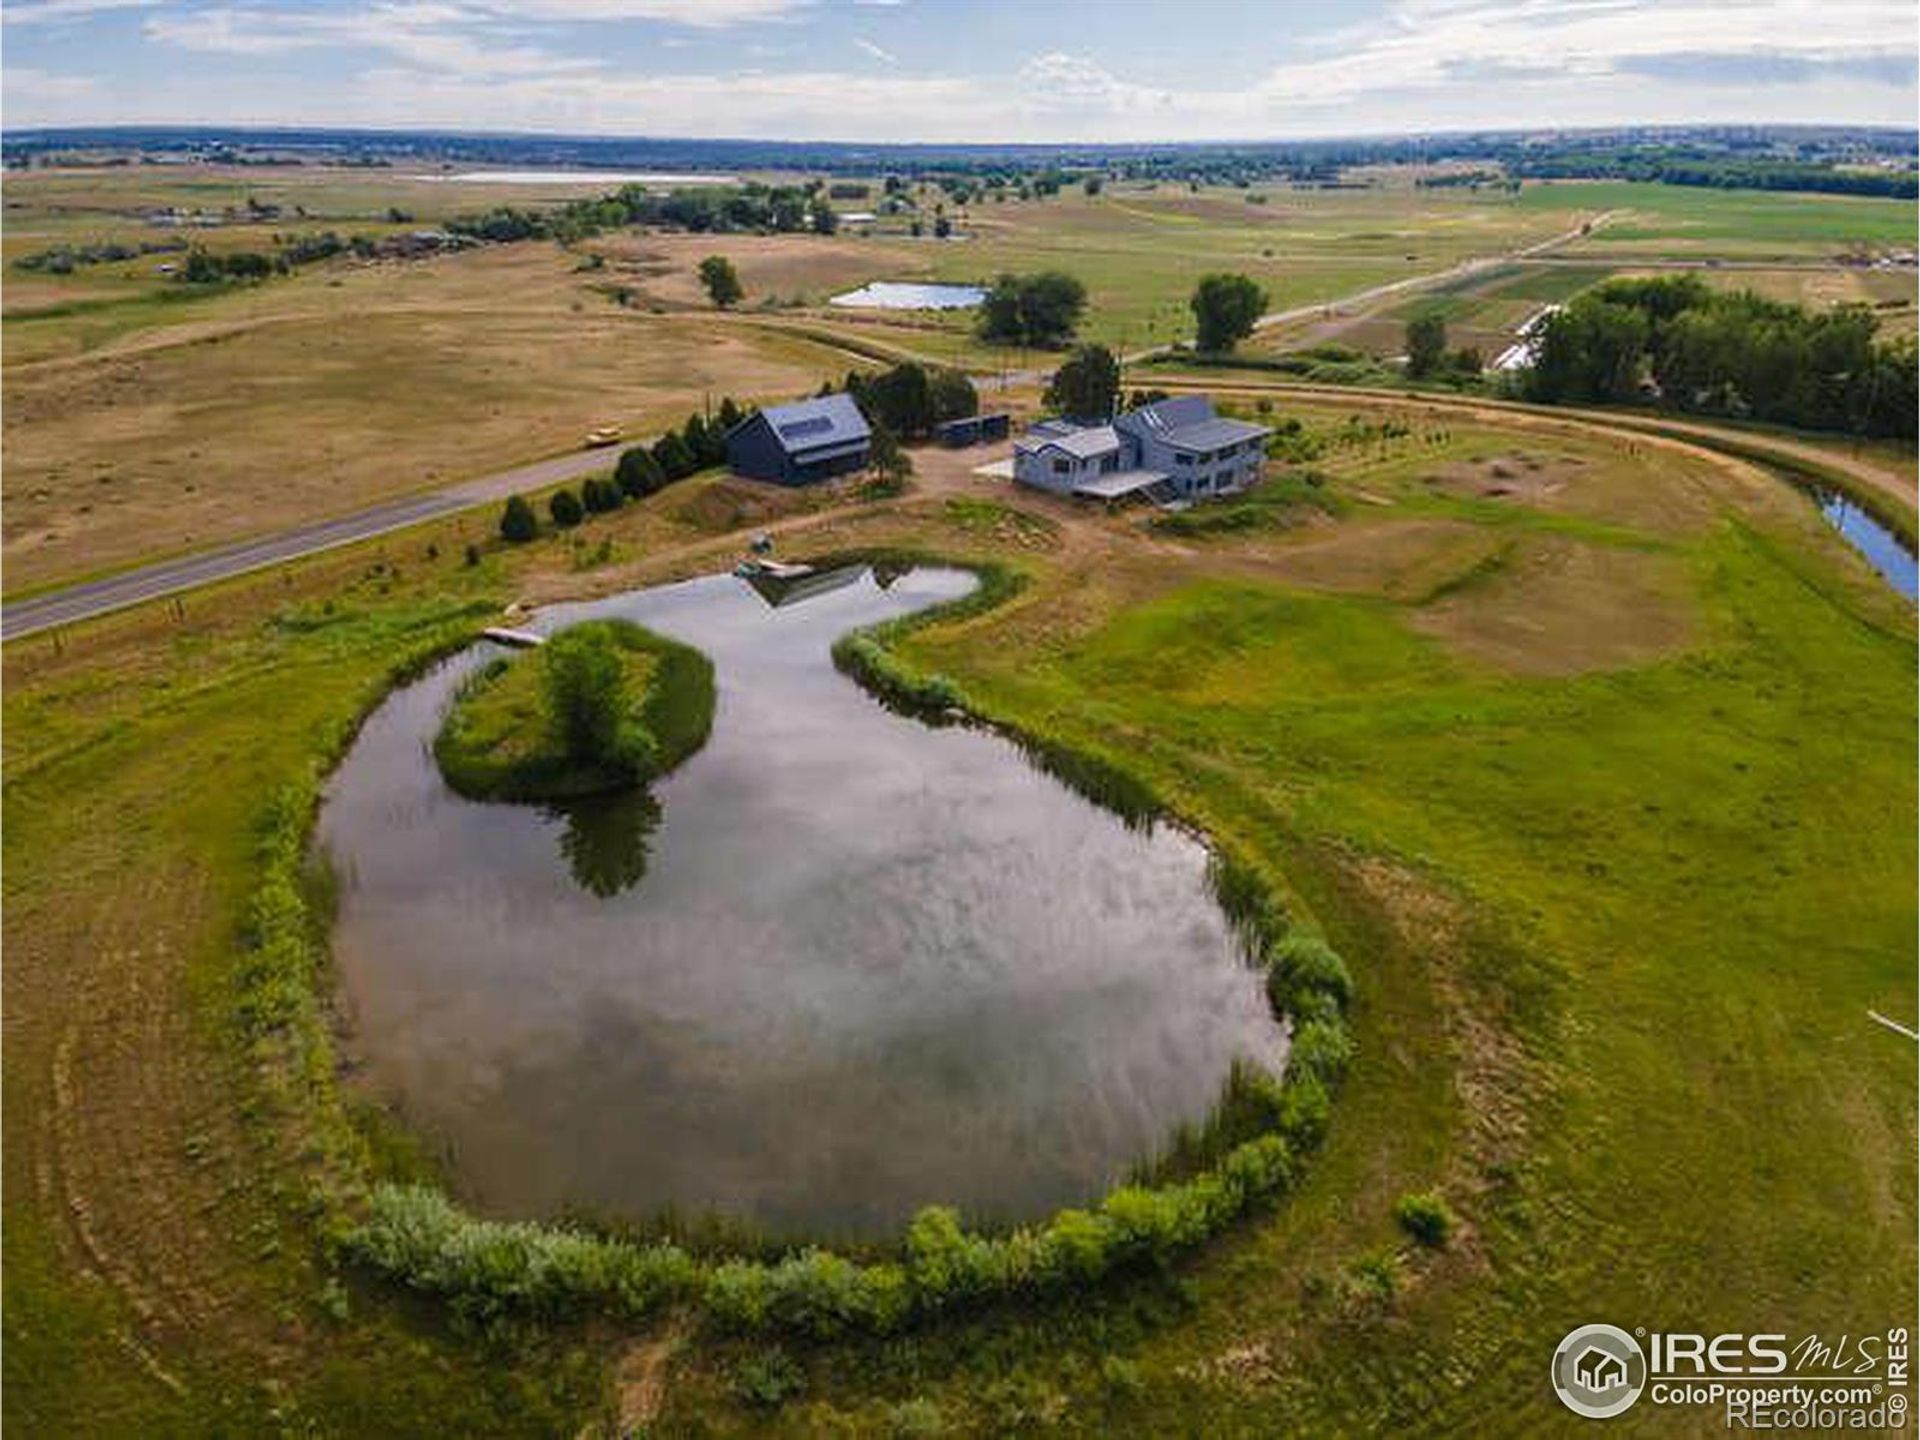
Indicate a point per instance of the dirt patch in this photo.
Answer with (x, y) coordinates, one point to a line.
(1548, 605)
(733, 503)
(1520, 476)
(640, 1377)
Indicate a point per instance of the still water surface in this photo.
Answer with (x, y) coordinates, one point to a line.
(1878, 543)
(839, 966)
(909, 295)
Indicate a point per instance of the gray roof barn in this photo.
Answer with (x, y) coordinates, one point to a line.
(808, 440)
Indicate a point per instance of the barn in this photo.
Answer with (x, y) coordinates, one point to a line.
(801, 443)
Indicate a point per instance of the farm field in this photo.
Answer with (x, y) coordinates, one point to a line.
(1688, 221)
(320, 394)
(1593, 753)
(144, 417)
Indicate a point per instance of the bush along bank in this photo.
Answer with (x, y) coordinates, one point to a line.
(498, 1272)
(565, 720)
(276, 1009)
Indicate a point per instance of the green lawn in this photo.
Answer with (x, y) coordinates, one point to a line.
(1689, 880)
(1686, 219)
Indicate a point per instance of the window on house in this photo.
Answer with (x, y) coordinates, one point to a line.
(1183, 459)
(1061, 467)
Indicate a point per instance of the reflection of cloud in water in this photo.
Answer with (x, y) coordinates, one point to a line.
(860, 965)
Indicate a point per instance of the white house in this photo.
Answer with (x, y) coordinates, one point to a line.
(1171, 450)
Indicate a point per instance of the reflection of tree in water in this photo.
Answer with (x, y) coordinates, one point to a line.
(605, 842)
(888, 571)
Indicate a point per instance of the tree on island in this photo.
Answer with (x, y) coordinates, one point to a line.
(722, 281)
(1226, 307)
(1088, 386)
(588, 703)
(1426, 344)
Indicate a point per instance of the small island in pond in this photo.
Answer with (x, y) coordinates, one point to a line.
(602, 706)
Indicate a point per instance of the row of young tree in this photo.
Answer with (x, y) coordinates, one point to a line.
(1727, 354)
(642, 470)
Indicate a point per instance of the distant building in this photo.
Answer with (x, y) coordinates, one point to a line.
(1171, 450)
(801, 443)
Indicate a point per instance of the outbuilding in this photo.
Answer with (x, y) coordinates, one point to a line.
(801, 443)
(973, 430)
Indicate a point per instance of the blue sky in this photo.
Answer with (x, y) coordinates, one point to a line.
(991, 70)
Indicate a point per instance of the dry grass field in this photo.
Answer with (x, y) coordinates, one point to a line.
(144, 417)
(251, 411)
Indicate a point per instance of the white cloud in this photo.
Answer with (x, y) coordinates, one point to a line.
(1422, 65)
(700, 14)
(1434, 43)
(1072, 82)
(424, 34)
(25, 83)
(43, 12)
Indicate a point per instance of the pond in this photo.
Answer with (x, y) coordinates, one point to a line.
(838, 966)
(897, 295)
(1878, 544)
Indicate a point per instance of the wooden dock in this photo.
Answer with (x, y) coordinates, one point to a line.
(519, 639)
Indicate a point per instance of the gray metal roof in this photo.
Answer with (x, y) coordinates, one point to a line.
(810, 425)
(1172, 413)
(1188, 422)
(1083, 443)
(1212, 434)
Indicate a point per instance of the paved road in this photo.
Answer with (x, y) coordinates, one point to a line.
(169, 577)
(186, 572)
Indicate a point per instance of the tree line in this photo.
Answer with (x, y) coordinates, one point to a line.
(1717, 353)
(1667, 165)
(641, 470)
(782, 209)
(902, 403)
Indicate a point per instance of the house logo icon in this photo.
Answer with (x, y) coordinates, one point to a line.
(1599, 1371)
